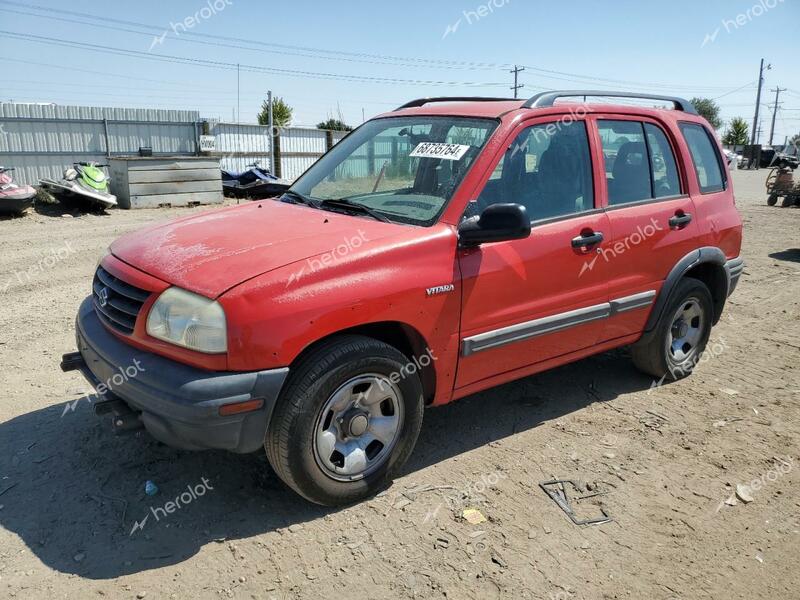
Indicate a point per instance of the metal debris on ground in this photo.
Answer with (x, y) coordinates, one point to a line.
(557, 492)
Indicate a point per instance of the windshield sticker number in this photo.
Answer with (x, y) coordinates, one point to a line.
(439, 150)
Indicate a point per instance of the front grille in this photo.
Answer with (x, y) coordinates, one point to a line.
(117, 303)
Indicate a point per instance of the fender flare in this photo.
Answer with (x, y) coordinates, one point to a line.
(704, 255)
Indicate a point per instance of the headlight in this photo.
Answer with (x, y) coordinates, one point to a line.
(188, 320)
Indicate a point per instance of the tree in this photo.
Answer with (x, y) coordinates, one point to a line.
(281, 113)
(709, 110)
(334, 125)
(737, 133)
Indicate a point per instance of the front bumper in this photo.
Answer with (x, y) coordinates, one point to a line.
(178, 405)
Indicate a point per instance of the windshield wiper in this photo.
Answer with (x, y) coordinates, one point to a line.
(297, 196)
(348, 204)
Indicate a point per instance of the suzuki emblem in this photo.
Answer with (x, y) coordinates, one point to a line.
(103, 295)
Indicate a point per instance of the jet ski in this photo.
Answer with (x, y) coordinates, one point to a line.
(254, 183)
(14, 200)
(85, 182)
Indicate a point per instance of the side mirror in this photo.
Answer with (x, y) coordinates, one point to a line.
(497, 223)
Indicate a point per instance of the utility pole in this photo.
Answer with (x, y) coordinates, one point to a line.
(777, 91)
(753, 136)
(517, 86)
(270, 123)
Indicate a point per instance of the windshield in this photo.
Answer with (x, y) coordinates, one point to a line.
(405, 168)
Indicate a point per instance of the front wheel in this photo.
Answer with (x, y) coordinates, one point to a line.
(681, 334)
(347, 420)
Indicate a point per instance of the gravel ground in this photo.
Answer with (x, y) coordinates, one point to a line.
(665, 459)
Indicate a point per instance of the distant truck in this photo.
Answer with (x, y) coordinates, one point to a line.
(774, 158)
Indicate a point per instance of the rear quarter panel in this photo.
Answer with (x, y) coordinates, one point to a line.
(719, 222)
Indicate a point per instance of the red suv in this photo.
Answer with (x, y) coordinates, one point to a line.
(438, 250)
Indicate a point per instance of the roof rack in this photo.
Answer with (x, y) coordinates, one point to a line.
(423, 101)
(545, 99)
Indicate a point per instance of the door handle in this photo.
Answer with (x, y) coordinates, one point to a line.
(584, 241)
(679, 220)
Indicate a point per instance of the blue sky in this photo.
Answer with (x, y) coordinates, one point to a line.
(710, 48)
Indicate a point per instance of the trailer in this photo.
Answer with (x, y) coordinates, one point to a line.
(781, 184)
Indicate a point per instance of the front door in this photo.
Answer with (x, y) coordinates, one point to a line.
(525, 301)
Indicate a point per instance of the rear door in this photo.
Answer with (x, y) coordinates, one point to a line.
(652, 217)
(526, 301)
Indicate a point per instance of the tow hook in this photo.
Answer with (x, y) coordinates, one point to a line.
(127, 422)
(72, 361)
(124, 419)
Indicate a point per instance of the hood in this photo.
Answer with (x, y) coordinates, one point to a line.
(212, 252)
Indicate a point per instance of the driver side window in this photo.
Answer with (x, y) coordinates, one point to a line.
(547, 169)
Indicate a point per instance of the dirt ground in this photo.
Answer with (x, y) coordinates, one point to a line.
(666, 459)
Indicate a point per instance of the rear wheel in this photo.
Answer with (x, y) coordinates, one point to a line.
(681, 334)
(772, 200)
(347, 420)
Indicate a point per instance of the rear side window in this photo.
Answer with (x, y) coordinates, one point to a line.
(662, 162)
(627, 169)
(706, 159)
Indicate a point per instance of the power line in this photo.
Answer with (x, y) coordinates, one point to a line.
(565, 76)
(229, 66)
(287, 49)
(181, 85)
(328, 54)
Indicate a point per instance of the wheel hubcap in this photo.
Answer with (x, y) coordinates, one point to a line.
(686, 331)
(358, 427)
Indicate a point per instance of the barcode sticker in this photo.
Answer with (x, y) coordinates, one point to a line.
(439, 150)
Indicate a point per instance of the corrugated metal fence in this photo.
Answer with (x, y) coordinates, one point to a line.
(43, 140)
(239, 145)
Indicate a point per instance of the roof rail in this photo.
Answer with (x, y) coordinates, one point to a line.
(545, 99)
(423, 101)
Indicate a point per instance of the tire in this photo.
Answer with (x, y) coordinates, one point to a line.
(772, 200)
(658, 354)
(316, 417)
(788, 201)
